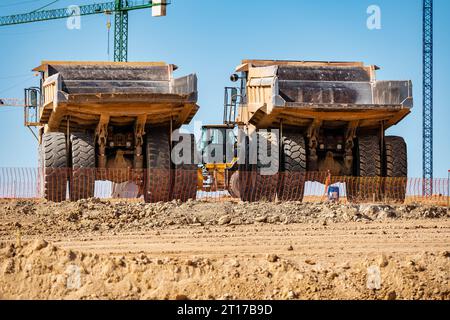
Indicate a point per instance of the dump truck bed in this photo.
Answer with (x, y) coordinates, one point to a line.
(297, 93)
(83, 92)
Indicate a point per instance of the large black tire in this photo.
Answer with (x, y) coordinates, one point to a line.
(266, 182)
(53, 166)
(293, 167)
(247, 172)
(396, 168)
(368, 166)
(186, 174)
(159, 173)
(82, 182)
(233, 186)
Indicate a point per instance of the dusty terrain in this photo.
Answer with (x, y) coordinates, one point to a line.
(100, 250)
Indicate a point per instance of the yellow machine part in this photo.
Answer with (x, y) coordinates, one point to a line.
(199, 179)
(218, 172)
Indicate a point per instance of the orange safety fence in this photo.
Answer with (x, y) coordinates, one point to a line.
(154, 185)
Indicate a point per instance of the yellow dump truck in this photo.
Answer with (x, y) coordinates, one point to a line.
(113, 121)
(331, 116)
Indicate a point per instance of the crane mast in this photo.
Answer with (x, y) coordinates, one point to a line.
(428, 97)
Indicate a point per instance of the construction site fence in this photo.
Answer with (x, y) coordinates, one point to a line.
(183, 184)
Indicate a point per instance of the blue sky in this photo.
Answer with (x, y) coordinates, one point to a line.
(210, 37)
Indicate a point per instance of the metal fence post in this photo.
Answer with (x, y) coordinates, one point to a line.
(448, 192)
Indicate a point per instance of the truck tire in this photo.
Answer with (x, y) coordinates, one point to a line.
(396, 168)
(233, 186)
(186, 174)
(293, 167)
(247, 172)
(368, 168)
(82, 182)
(53, 166)
(266, 181)
(159, 174)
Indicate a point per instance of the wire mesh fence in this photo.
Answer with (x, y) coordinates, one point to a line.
(156, 185)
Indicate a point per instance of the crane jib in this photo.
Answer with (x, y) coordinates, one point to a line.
(62, 13)
(120, 8)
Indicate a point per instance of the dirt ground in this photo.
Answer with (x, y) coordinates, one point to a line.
(96, 249)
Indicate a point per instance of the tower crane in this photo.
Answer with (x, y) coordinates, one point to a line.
(120, 8)
(427, 97)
